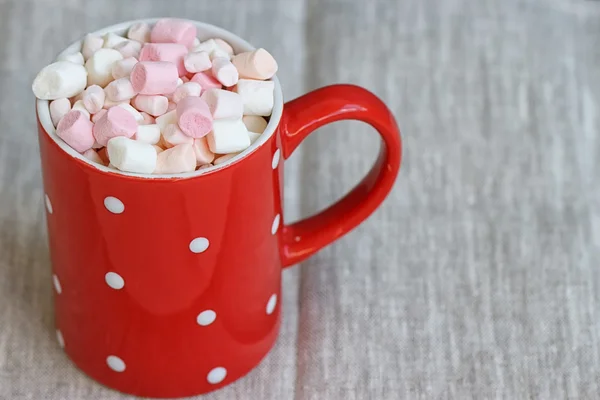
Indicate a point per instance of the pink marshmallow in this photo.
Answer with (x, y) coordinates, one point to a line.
(197, 61)
(75, 129)
(153, 105)
(148, 119)
(206, 81)
(129, 48)
(185, 90)
(116, 122)
(175, 160)
(93, 156)
(224, 104)
(203, 153)
(98, 115)
(154, 77)
(122, 68)
(172, 106)
(258, 64)
(225, 72)
(224, 158)
(120, 90)
(173, 135)
(93, 99)
(171, 30)
(194, 117)
(171, 52)
(58, 109)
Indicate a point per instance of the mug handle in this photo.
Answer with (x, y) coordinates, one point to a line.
(311, 111)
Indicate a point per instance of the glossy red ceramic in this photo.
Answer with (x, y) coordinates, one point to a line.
(172, 287)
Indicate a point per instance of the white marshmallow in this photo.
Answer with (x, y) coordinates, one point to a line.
(99, 66)
(76, 58)
(91, 44)
(254, 123)
(258, 96)
(253, 136)
(223, 103)
(79, 106)
(166, 119)
(139, 31)
(213, 49)
(112, 39)
(122, 68)
(93, 156)
(228, 136)
(225, 72)
(139, 118)
(120, 90)
(129, 48)
(148, 134)
(197, 61)
(93, 98)
(60, 79)
(58, 109)
(131, 156)
(195, 43)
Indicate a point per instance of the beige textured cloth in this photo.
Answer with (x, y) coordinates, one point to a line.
(479, 278)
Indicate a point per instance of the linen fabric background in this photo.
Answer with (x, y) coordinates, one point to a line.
(477, 279)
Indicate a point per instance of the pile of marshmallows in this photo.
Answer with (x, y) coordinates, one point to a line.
(159, 101)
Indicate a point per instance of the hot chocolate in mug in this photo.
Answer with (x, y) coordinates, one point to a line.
(170, 285)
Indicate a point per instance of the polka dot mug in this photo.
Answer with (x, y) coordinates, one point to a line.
(170, 285)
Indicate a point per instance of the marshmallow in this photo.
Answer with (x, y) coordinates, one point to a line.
(185, 90)
(135, 113)
(108, 103)
(131, 156)
(257, 64)
(76, 58)
(258, 96)
(194, 117)
(158, 149)
(205, 166)
(79, 106)
(253, 136)
(171, 30)
(58, 80)
(91, 44)
(223, 45)
(206, 81)
(214, 49)
(255, 123)
(112, 39)
(166, 119)
(148, 134)
(224, 158)
(195, 43)
(96, 117)
(120, 90)
(197, 62)
(153, 105)
(148, 119)
(116, 122)
(129, 48)
(228, 136)
(139, 31)
(173, 135)
(172, 106)
(203, 153)
(154, 77)
(223, 103)
(75, 129)
(122, 68)
(99, 66)
(224, 71)
(93, 156)
(93, 98)
(171, 52)
(178, 159)
(58, 109)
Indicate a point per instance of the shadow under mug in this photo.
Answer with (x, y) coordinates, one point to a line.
(170, 286)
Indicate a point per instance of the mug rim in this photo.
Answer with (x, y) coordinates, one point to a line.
(205, 31)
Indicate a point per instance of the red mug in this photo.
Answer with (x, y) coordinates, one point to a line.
(170, 286)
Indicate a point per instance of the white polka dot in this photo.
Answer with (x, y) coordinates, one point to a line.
(199, 245)
(114, 280)
(206, 317)
(276, 157)
(48, 204)
(271, 304)
(216, 375)
(57, 285)
(275, 225)
(60, 339)
(115, 363)
(114, 205)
